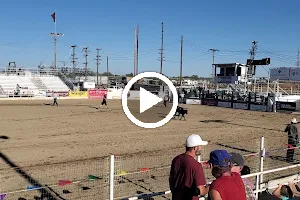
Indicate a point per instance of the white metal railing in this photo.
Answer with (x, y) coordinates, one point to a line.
(30, 93)
(112, 175)
(260, 185)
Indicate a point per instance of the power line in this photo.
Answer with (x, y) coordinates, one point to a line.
(98, 59)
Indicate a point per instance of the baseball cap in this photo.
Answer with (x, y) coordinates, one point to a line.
(219, 158)
(195, 140)
(237, 159)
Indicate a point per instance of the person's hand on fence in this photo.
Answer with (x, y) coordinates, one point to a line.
(207, 165)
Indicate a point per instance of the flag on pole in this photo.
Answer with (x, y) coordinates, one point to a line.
(54, 16)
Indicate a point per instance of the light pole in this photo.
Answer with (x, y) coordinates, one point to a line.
(55, 35)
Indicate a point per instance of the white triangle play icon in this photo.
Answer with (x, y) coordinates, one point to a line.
(147, 100)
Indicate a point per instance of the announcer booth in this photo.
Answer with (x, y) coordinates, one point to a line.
(231, 73)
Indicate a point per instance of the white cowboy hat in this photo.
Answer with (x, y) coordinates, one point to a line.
(294, 120)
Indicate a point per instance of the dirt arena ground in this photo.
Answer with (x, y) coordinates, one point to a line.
(46, 144)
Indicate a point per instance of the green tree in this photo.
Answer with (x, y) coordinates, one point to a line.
(129, 75)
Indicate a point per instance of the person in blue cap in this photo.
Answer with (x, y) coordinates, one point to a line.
(228, 185)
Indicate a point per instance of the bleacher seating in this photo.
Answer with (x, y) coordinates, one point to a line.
(54, 83)
(28, 87)
(9, 84)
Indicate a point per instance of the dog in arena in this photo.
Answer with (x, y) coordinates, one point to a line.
(180, 112)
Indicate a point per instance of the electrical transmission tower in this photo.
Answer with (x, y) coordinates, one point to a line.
(98, 59)
(213, 62)
(74, 60)
(86, 51)
(162, 48)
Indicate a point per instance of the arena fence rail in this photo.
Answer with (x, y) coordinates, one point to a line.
(145, 177)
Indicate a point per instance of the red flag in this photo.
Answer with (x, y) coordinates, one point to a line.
(53, 16)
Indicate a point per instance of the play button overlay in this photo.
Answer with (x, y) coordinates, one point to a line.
(145, 107)
(148, 100)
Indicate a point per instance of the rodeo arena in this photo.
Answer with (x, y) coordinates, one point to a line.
(75, 149)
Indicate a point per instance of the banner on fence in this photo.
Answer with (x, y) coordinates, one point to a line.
(243, 106)
(226, 104)
(258, 107)
(210, 102)
(59, 94)
(78, 93)
(290, 106)
(96, 93)
(193, 101)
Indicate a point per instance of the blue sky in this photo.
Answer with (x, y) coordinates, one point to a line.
(229, 26)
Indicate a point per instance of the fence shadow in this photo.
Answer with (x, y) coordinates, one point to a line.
(46, 192)
(242, 125)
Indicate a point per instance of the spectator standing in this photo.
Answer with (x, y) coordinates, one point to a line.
(187, 179)
(237, 166)
(293, 139)
(246, 170)
(227, 185)
(283, 192)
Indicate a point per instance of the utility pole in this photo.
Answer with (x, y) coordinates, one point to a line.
(162, 47)
(74, 60)
(181, 46)
(252, 56)
(55, 36)
(136, 49)
(98, 59)
(253, 50)
(213, 62)
(107, 70)
(85, 49)
(298, 59)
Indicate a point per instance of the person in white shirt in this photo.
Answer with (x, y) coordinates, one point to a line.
(55, 99)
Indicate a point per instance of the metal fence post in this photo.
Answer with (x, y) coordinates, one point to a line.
(261, 163)
(111, 177)
(256, 186)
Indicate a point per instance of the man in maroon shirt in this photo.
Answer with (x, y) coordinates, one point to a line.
(228, 185)
(187, 179)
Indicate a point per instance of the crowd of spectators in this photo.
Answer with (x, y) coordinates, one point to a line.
(188, 182)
